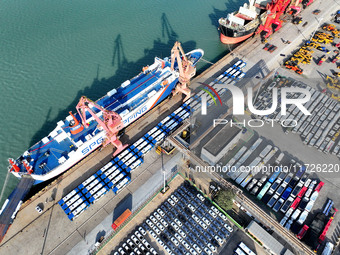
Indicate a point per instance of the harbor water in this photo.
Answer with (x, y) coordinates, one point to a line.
(53, 52)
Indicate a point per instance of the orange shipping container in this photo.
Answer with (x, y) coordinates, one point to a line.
(119, 221)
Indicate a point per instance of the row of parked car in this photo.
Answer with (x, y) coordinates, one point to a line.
(136, 244)
(187, 223)
(320, 129)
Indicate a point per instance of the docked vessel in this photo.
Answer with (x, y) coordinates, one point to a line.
(242, 24)
(71, 141)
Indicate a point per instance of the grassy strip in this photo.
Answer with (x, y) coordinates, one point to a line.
(225, 213)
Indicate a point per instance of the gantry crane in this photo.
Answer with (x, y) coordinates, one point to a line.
(277, 23)
(111, 123)
(275, 9)
(295, 8)
(266, 30)
(185, 67)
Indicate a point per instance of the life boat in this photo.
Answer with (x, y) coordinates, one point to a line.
(29, 168)
(75, 126)
(13, 165)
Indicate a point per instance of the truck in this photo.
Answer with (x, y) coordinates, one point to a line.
(279, 158)
(121, 219)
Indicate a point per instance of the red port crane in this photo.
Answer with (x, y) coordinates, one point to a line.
(111, 123)
(186, 70)
(277, 23)
(266, 30)
(295, 8)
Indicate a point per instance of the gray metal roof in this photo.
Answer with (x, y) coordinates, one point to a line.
(266, 239)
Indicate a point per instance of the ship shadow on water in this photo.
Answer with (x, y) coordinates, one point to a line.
(100, 86)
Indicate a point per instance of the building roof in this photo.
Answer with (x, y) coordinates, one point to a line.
(266, 239)
(221, 139)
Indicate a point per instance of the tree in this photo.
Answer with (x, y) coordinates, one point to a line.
(224, 199)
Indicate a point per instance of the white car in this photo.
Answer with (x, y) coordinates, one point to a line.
(219, 239)
(212, 213)
(230, 229)
(142, 230)
(206, 221)
(153, 219)
(160, 211)
(146, 244)
(157, 231)
(149, 222)
(171, 201)
(186, 245)
(121, 251)
(153, 234)
(208, 251)
(203, 224)
(140, 237)
(197, 248)
(193, 252)
(158, 217)
(179, 238)
(191, 207)
(200, 197)
(181, 232)
(178, 222)
(164, 223)
(214, 209)
(38, 208)
(135, 240)
(130, 243)
(159, 241)
(153, 251)
(174, 240)
(222, 216)
(160, 226)
(174, 225)
(173, 197)
(211, 247)
(194, 216)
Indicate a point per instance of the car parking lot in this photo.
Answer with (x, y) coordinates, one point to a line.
(186, 223)
(319, 130)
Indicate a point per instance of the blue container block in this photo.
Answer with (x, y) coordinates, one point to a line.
(61, 202)
(116, 159)
(115, 189)
(70, 216)
(109, 184)
(67, 210)
(88, 195)
(91, 199)
(128, 169)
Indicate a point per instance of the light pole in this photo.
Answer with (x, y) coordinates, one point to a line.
(319, 21)
(163, 170)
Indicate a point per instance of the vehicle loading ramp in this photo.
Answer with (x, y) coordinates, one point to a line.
(13, 203)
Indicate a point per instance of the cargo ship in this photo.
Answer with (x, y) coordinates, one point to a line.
(242, 24)
(71, 141)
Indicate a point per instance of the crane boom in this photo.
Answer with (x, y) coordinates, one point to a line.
(111, 123)
(185, 67)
